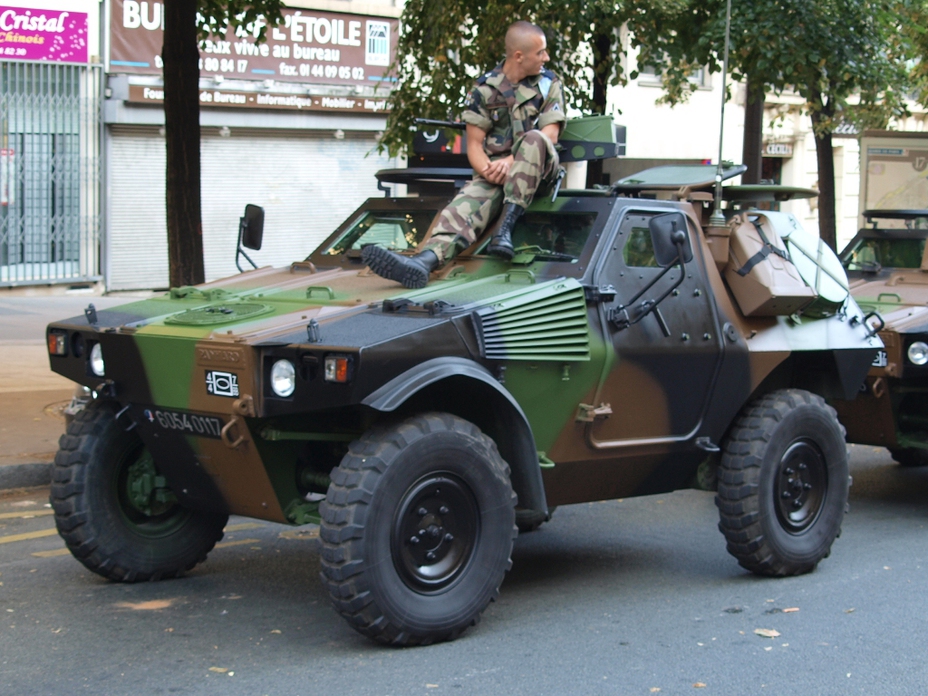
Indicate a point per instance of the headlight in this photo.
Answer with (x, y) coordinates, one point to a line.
(96, 360)
(918, 353)
(283, 378)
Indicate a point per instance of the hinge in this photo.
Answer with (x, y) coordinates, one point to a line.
(588, 413)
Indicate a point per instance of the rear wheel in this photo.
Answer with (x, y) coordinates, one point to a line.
(417, 530)
(783, 483)
(115, 513)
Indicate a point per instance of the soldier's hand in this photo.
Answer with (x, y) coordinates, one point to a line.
(497, 171)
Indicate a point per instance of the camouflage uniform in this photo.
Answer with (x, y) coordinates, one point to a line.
(512, 117)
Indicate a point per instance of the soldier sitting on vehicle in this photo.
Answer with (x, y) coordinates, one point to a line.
(514, 116)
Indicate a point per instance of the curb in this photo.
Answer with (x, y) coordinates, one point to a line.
(25, 475)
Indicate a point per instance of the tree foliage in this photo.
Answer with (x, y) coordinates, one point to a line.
(445, 44)
(186, 21)
(845, 58)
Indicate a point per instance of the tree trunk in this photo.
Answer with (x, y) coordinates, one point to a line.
(602, 54)
(825, 155)
(752, 153)
(181, 57)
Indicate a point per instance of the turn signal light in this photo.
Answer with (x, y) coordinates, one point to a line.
(336, 368)
(57, 343)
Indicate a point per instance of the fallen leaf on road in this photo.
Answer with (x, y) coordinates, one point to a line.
(275, 631)
(220, 670)
(655, 689)
(849, 611)
(699, 685)
(431, 686)
(767, 632)
(790, 610)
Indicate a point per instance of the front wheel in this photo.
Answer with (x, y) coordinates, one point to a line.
(783, 483)
(113, 509)
(417, 530)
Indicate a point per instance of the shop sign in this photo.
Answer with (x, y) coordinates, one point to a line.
(308, 46)
(31, 34)
(267, 100)
(778, 150)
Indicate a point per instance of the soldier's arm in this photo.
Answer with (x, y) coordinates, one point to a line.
(475, 154)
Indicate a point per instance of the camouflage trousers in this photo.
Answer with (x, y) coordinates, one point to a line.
(465, 218)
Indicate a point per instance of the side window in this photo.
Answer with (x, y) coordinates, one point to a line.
(639, 251)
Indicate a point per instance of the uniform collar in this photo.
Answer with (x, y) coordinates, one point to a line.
(524, 90)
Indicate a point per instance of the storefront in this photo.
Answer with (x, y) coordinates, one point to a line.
(289, 124)
(50, 143)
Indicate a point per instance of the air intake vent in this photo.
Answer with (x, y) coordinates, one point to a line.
(545, 323)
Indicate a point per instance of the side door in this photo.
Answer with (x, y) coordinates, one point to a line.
(665, 365)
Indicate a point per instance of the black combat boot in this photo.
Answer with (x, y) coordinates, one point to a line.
(411, 271)
(501, 244)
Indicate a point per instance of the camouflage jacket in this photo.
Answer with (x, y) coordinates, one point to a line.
(505, 111)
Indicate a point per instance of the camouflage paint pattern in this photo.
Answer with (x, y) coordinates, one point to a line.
(617, 412)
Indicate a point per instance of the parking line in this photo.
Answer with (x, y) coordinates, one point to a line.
(25, 515)
(224, 544)
(51, 554)
(28, 535)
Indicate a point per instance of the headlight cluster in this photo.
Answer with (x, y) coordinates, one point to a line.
(97, 366)
(918, 353)
(283, 378)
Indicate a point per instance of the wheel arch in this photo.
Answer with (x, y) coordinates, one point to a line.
(469, 390)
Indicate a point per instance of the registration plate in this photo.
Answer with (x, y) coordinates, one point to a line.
(187, 423)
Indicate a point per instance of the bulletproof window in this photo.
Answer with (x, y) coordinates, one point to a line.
(872, 254)
(397, 230)
(553, 236)
(639, 250)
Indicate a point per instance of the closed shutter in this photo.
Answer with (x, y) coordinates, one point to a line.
(136, 242)
(307, 184)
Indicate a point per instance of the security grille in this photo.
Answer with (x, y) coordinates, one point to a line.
(50, 193)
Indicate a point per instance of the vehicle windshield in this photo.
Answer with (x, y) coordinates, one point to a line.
(874, 254)
(553, 236)
(395, 230)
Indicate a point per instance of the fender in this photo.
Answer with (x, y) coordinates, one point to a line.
(518, 445)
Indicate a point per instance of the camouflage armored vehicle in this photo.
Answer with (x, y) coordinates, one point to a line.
(624, 347)
(888, 269)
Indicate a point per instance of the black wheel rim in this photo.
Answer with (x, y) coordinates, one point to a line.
(160, 515)
(435, 532)
(801, 485)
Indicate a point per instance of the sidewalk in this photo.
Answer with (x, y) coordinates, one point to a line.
(31, 395)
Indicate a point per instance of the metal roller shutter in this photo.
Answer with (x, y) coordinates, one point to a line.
(307, 183)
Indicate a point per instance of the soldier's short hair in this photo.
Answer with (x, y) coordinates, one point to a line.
(517, 35)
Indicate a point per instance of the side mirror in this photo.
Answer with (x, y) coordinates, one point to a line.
(252, 226)
(250, 233)
(670, 240)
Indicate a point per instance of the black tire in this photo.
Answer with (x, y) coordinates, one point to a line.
(530, 520)
(107, 529)
(910, 457)
(435, 478)
(783, 483)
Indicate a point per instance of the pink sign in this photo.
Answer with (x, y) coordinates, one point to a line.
(50, 35)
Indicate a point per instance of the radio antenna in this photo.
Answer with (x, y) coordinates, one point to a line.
(717, 219)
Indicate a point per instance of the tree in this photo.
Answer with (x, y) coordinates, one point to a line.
(445, 44)
(843, 57)
(185, 22)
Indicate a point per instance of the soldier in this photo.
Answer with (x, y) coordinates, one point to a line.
(514, 116)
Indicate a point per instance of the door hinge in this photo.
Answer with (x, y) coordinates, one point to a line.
(588, 413)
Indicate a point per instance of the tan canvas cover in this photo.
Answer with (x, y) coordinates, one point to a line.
(760, 273)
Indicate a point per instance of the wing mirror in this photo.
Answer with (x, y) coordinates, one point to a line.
(250, 233)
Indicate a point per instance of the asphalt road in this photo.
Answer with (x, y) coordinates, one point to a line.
(623, 597)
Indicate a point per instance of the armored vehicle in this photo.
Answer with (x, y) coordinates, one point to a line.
(888, 269)
(632, 343)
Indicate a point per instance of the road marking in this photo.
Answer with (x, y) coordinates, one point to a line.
(224, 544)
(29, 535)
(51, 554)
(244, 525)
(25, 515)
